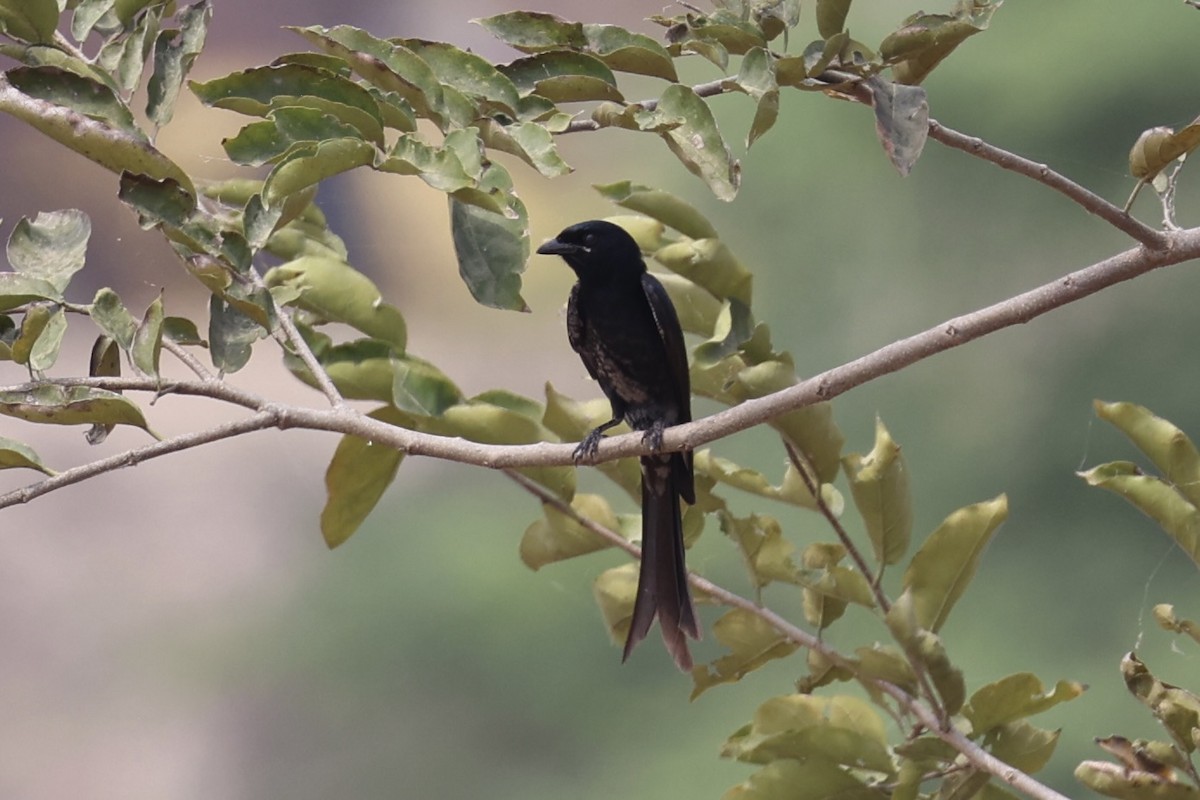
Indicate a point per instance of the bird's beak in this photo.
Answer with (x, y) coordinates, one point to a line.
(556, 248)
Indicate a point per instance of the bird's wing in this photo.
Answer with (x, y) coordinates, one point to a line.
(671, 336)
(669, 331)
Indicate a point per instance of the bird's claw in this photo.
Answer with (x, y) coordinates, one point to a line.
(586, 451)
(654, 437)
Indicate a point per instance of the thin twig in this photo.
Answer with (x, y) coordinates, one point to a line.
(301, 349)
(975, 754)
(803, 469)
(1088, 200)
(189, 360)
(800, 462)
(850, 86)
(263, 419)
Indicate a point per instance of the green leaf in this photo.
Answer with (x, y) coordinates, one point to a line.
(337, 292)
(470, 74)
(626, 51)
(887, 663)
(388, 65)
(697, 141)
(563, 77)
(614, 591)
(124, 56)
(1156, 148)
(947, 679)
(940, 571)
(36, 321)
(811, 429)
(699, 312)
(901, 120)
(307, 166)
(63, 115)
(558, 537)
(1014, 697)
(832, 730)
(756, 77)
(147, 340)
(260, 90)
(1169, 448)
(879, 485)
(75, 405)
(52, 247)
(791, 490)
(110, 314)
(482, 421)
(15, 455)
(711, 264)
(16, 290)
(811, 779)
(923, 40)
(752, 644)
(44, 351)
(105, 361)
(284, 128)
(161, 202)
(230, 334)
(420, 388)
(358, 474)
(528, 141)
(492, 251)
(768, 555)
(79, 93)
(1155, 498)
(831, 16)
(29, 20)
(87, 14)
(1024, 746)
(362, 369)
(175, 51)
(534, 31)
(660, 205)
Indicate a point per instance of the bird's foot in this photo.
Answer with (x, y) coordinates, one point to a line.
(654, 436)
(586, 451)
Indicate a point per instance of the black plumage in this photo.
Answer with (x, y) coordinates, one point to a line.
(622, 324)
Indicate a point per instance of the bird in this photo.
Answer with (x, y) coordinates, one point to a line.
(623, 326)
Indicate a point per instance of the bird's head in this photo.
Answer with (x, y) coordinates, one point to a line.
(597, 250)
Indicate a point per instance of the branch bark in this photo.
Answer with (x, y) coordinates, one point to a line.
(1181, 246)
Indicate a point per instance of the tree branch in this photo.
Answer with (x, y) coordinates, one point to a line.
(975, 754)
(853, 84)
(1182, 246)
(263, 419)
(1088, 200)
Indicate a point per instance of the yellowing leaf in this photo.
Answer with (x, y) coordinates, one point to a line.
(940, 571)
(879, 483)
(558, 536)
(1014, 697)
(356, 478)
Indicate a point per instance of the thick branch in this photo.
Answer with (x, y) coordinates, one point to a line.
(1182, 246)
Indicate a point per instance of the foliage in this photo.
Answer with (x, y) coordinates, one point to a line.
(262, 248)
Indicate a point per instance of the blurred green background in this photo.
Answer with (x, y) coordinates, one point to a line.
(180, 630)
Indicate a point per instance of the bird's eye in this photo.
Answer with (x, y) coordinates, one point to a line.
(589, 240)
